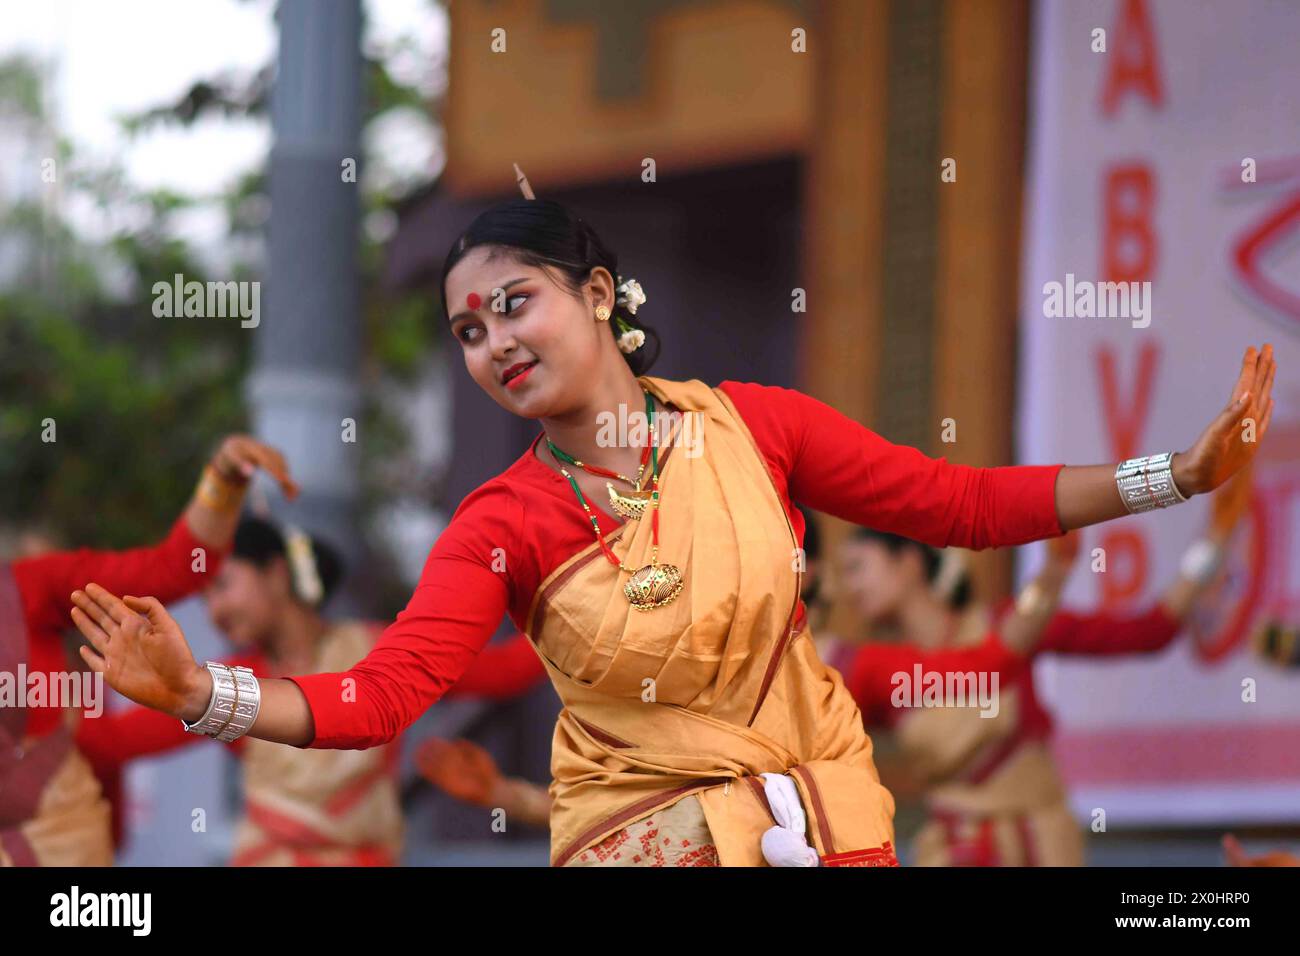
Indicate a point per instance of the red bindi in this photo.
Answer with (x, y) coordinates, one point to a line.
(473, 300)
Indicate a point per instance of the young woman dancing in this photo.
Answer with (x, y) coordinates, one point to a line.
(675, 638)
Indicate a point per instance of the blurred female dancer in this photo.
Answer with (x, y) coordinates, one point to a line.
(992, 790)
(51, 809)
(301, 807)
(671, 638)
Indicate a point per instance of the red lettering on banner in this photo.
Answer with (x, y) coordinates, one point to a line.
(1128, 251)
(1126, 417)
(1132, 59)
(1126, 566)
(1281, 226)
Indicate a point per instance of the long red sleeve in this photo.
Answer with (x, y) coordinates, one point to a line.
(1104, 633)
(456, 607)
(111, 740)
(870, 676)
(45, 585)
(836, 465)
(163, 570)
(502, 671)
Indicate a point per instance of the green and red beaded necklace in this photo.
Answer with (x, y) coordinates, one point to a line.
(655, 584)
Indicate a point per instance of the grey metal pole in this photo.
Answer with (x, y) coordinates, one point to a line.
(307, 354)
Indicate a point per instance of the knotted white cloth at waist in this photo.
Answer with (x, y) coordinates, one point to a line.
(786, 844)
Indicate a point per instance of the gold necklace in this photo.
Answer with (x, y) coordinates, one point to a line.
(655, 584)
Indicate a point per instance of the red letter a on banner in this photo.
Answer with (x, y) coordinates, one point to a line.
(1132, 59)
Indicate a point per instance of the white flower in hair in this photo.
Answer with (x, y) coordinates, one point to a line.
(630, 295)
(631, 340)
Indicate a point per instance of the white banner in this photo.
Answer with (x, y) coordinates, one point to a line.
(1162, 215)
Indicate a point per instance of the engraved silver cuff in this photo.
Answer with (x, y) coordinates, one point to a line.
(232, 710)
(1147, 483)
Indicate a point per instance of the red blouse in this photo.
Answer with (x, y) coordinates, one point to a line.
(45, 585)
(868, 672)
(529, 516)
(1099, 634)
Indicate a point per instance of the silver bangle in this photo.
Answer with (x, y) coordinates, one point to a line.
(1200, 562)
(233, 708)
(1148, 483)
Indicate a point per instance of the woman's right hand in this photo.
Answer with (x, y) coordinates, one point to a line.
(141, 652)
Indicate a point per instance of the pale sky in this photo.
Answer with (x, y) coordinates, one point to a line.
(114, 58)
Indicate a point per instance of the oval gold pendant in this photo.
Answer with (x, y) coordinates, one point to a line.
(629, 504)
(653, 586)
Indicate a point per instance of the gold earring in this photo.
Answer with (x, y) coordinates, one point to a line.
(602, 313)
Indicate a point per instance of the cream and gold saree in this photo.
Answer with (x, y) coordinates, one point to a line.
(697, 698)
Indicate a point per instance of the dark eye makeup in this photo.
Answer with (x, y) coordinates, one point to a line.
(508, 311)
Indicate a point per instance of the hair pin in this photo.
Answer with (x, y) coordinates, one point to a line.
(522, 180)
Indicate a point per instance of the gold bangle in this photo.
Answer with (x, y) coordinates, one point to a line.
(218, 492)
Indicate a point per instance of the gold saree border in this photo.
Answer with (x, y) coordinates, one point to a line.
(642, 807)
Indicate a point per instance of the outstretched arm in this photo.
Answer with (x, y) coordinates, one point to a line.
(455, 609)
(170, 569)
(116, 738)
(1103, 633)
(1088, 495)
(870, 677)
(837, 465)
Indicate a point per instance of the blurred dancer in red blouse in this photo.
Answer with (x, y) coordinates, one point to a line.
(301, 807)
(991, 786)
(51, 809)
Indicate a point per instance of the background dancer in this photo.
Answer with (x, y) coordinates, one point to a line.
(994, 796)
(301, 807)
(51, 810)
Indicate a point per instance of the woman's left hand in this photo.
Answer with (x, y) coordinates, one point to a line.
(1232, 439)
